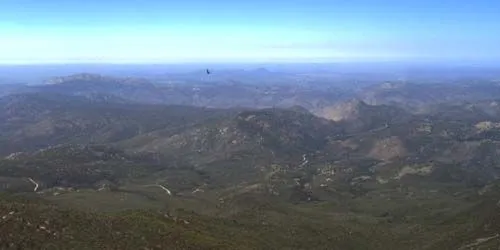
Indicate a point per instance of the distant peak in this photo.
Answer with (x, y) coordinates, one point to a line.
(299, 109)
(75, 77)
(353, 104)
(347, 110)
(391, 85)
(83, 78)
(262, 70)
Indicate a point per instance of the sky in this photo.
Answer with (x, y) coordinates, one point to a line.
(162, 31)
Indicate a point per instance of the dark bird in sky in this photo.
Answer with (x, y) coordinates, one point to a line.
(208, 72)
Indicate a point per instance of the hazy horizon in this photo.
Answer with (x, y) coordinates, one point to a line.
(222, 31)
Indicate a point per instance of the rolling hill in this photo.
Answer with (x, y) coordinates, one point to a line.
(34, 121)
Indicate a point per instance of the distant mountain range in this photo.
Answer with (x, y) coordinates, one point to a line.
(224, 92)
(387, 136)
(228, 166)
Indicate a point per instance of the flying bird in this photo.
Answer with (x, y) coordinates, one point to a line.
(208, 72)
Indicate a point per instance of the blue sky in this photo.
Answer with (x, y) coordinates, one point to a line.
(34, 31)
